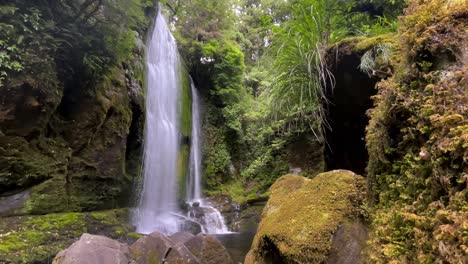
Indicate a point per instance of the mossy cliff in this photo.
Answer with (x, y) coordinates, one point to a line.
(72, 102)
(417, 140)
(301, 216)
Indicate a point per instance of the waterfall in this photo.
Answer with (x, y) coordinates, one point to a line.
(210, 219)
(158, 199)
(158, 208)
(194, 181)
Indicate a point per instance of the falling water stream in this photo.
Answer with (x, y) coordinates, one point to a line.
(211, 219)
(158, 208)
(158, 199)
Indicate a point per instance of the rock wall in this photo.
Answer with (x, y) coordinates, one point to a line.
(418, 139)
(71, 130)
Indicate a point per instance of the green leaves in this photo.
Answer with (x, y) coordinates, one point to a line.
(299, 74)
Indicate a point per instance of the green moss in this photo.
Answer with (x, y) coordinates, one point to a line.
(416, 140)
(359, 45)
(183, 171)
(24, 163)
(29, 239)
(186, 104)
(365, 44)
(241, 192)
(134, 235)
(302, 214)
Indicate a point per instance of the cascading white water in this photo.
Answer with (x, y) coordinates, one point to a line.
(210, 219)
(194, 180)
(157, 209)
(158, 200)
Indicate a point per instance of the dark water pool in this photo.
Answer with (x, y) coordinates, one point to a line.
(238, 244)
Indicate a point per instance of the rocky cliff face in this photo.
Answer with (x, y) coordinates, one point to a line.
(71, 121)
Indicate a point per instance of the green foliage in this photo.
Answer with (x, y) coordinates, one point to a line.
(25, 40)
(299, 74)
(81, 38)
(217, 156)
(262, 74)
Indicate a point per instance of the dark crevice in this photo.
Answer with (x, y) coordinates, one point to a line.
(271, 253)
(349, 101)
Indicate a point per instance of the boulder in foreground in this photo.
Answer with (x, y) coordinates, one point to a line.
(312, 221)
(156, 248)
(92, 249)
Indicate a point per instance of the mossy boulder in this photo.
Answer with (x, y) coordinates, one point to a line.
(37, 239)
(302, 215)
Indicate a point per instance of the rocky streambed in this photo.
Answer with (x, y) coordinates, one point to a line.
(180, 247)
(38, 238)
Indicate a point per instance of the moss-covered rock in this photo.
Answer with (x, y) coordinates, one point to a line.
(418, 139)
(26, 163)
(302, 215)
(36, 239)
(183, 172)
(185, 103)
(71, 116)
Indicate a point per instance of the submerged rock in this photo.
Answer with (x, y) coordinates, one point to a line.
(300, 221)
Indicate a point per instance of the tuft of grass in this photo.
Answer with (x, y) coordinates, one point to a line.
(299, 73)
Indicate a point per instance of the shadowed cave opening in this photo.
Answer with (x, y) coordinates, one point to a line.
(349, 101)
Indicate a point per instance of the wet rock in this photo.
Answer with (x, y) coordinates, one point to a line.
(151, 248)
(222, 203)
(12, 204)
(198, 213)
(156, 248)
(181, 237)
(348, 242)
(208, 250)
(180, 254)
(209, 218)
(191, 226)
(92, 249)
